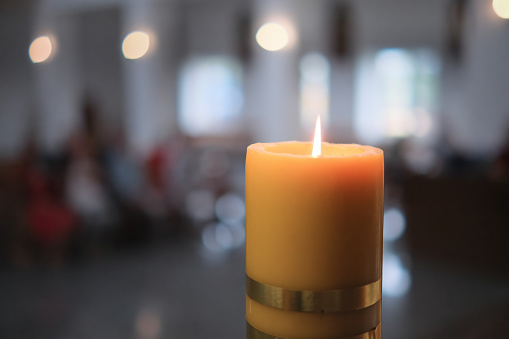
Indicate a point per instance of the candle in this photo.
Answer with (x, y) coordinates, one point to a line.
(313, 240)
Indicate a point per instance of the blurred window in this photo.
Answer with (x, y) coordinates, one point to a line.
(396, 94)
(314, 90)
(210, 96)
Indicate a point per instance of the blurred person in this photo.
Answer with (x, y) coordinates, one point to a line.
(125, 181)
(161, 198)
(86, 193)
(155, 170)
(179, 148)
(123, 172)
(14, 231)
(51, 222)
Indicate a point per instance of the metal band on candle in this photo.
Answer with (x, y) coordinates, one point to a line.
(346, 299)
(253, 333)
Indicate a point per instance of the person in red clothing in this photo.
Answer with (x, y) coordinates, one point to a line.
(51, 222)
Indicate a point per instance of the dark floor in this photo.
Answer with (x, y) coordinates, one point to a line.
(182, 291)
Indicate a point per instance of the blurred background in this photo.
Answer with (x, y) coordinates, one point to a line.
(123, 129)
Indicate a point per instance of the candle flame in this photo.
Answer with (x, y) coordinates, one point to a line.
(317, 144)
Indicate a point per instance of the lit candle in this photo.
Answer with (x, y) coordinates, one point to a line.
(313, 240)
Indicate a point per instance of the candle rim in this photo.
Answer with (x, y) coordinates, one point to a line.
(265, 148)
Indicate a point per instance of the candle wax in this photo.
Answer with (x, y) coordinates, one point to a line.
(313, 223)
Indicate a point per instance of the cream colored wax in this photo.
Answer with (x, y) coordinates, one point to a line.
(315, 224)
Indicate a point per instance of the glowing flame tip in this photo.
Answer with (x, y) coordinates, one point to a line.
(317, 144)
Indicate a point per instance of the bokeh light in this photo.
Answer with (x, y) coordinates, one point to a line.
(209, 238)
(394, 224)
(200, 205)
(239, 234)
(217, 237)
(501, 8)
(210, 102)
(220, 237)
(135, 45)
(148, 324)
(40, 49)
(230, 208)
(272, 37)
(224, 236)
(396, 278)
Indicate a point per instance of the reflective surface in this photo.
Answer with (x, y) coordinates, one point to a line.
(172, 291)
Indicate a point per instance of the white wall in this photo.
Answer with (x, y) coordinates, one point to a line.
(100, 77)
(16, 104)
(474, 106)
(56, 89)
(150, 82)
(476, 96)
(272, 100)
(399, 23)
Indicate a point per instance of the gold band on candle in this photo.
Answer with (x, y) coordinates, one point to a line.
(253, 333)
(346, 299)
